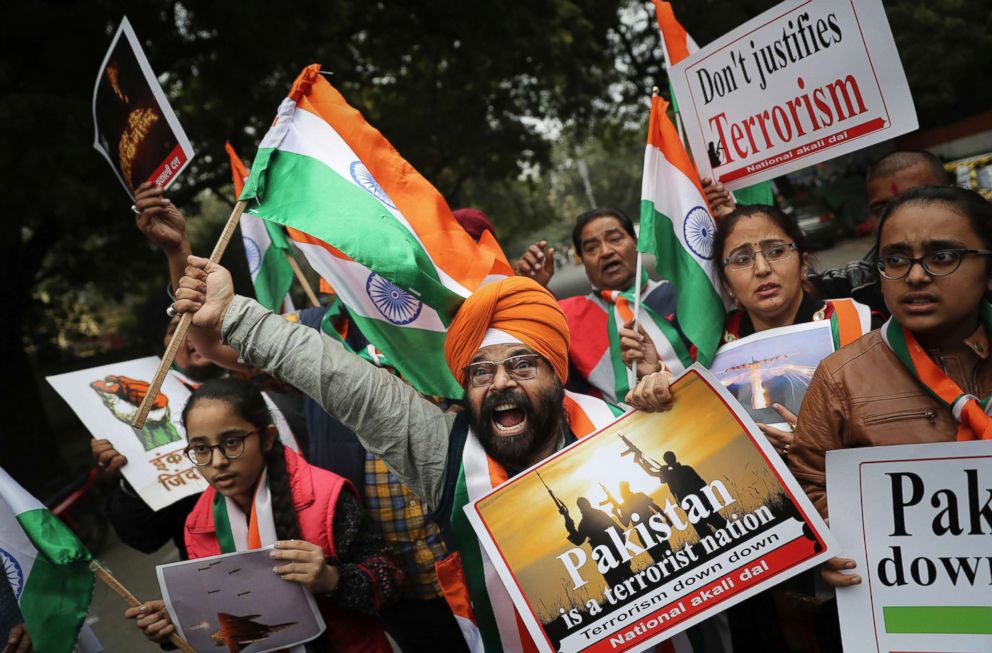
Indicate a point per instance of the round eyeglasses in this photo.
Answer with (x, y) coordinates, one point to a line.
(939, 263)
(519, 368)
(231, 446)
(773, 252)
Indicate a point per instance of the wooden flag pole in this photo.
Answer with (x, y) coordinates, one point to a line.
(179, 337)
(637, 308)
(302, 279)
(108, 579)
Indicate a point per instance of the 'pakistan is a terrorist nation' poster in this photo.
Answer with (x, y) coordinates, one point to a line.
(649, 526)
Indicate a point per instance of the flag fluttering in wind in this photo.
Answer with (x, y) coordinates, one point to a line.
(266, 248)
(678, 45)
(676, 226)
(370, 225)
(47, 567)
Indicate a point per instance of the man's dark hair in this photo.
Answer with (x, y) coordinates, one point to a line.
(899, 160)
(589, 216)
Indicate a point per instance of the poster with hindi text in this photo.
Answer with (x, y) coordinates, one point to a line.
(135, 128)
(917, 521)
(804, 82)
(649, 526)
(106, 399)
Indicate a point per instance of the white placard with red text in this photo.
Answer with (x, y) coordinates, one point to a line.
(804, 82)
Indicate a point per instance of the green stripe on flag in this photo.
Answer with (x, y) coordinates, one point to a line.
(222, 525)
(758, 194)
(303, 193)
(59, 587)
(274, 275)
(700, 309)
(418, 351)
(938, 619)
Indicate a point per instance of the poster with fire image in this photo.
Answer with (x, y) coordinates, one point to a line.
(647, 527)
(135, 128)
(773, 367)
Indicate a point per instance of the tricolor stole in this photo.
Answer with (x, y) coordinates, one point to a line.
(849, 320)
(482, 605)
(595, 321)
(970, 412)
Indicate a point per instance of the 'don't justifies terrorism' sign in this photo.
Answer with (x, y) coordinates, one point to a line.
(917, 520)
(806, 81)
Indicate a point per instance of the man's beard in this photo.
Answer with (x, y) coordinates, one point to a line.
(544, 421)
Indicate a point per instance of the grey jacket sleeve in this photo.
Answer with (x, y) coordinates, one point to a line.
(389, 416)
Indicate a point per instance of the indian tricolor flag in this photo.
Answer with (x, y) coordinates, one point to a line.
(677, 45)
(677, 228)
(47, 567)
(370, 225)
(266, 248)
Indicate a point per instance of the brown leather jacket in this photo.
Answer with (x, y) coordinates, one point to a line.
(863, 396)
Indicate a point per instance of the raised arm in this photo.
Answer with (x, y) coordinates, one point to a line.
(390, 418)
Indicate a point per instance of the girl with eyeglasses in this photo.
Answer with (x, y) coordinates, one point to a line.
(917, 378)
(262, 494)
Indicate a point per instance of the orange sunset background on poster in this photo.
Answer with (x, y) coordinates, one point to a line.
(702, 432)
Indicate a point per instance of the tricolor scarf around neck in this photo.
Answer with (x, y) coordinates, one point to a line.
(499, 626)
(970, 412)
(239, 532)
(671, 346)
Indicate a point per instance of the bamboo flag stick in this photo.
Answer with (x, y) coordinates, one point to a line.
(103, 574)
(179, 337)
(302, 279)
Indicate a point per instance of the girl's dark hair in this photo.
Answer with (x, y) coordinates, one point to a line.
(589, 216)
(725, 227)
(968, 203)
(246, 400)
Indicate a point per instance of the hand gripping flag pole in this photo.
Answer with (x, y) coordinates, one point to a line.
(179, 337)
(108, 579)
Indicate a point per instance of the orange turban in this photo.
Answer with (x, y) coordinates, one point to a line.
(517, 306)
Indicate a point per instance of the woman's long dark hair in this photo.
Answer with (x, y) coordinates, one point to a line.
(246, 400)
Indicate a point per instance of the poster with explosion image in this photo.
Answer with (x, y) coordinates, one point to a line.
(773, 367)
(106, 399)
(235, 601)
(649, 526)
(135, 128)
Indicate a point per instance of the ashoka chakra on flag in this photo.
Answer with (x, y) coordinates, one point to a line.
(14, 573)
(364, 178)
(699, 228)
(395, 304)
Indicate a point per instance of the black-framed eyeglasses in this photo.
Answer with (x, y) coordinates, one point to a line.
(231, 447)
(939, 263)
(773, 252)
(519, 368)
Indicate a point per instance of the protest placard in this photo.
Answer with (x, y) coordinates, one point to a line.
(773, 366)
(236, 601)
(135, 128)
(106, 398)
(649, 526)
(806, 81)
(917, 520)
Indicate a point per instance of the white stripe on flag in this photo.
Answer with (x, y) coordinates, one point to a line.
(311, 136)
(349, 279)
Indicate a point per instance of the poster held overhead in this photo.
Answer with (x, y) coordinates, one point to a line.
(917, 521)
(134, 126)
(649, 526)
(804, 82)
